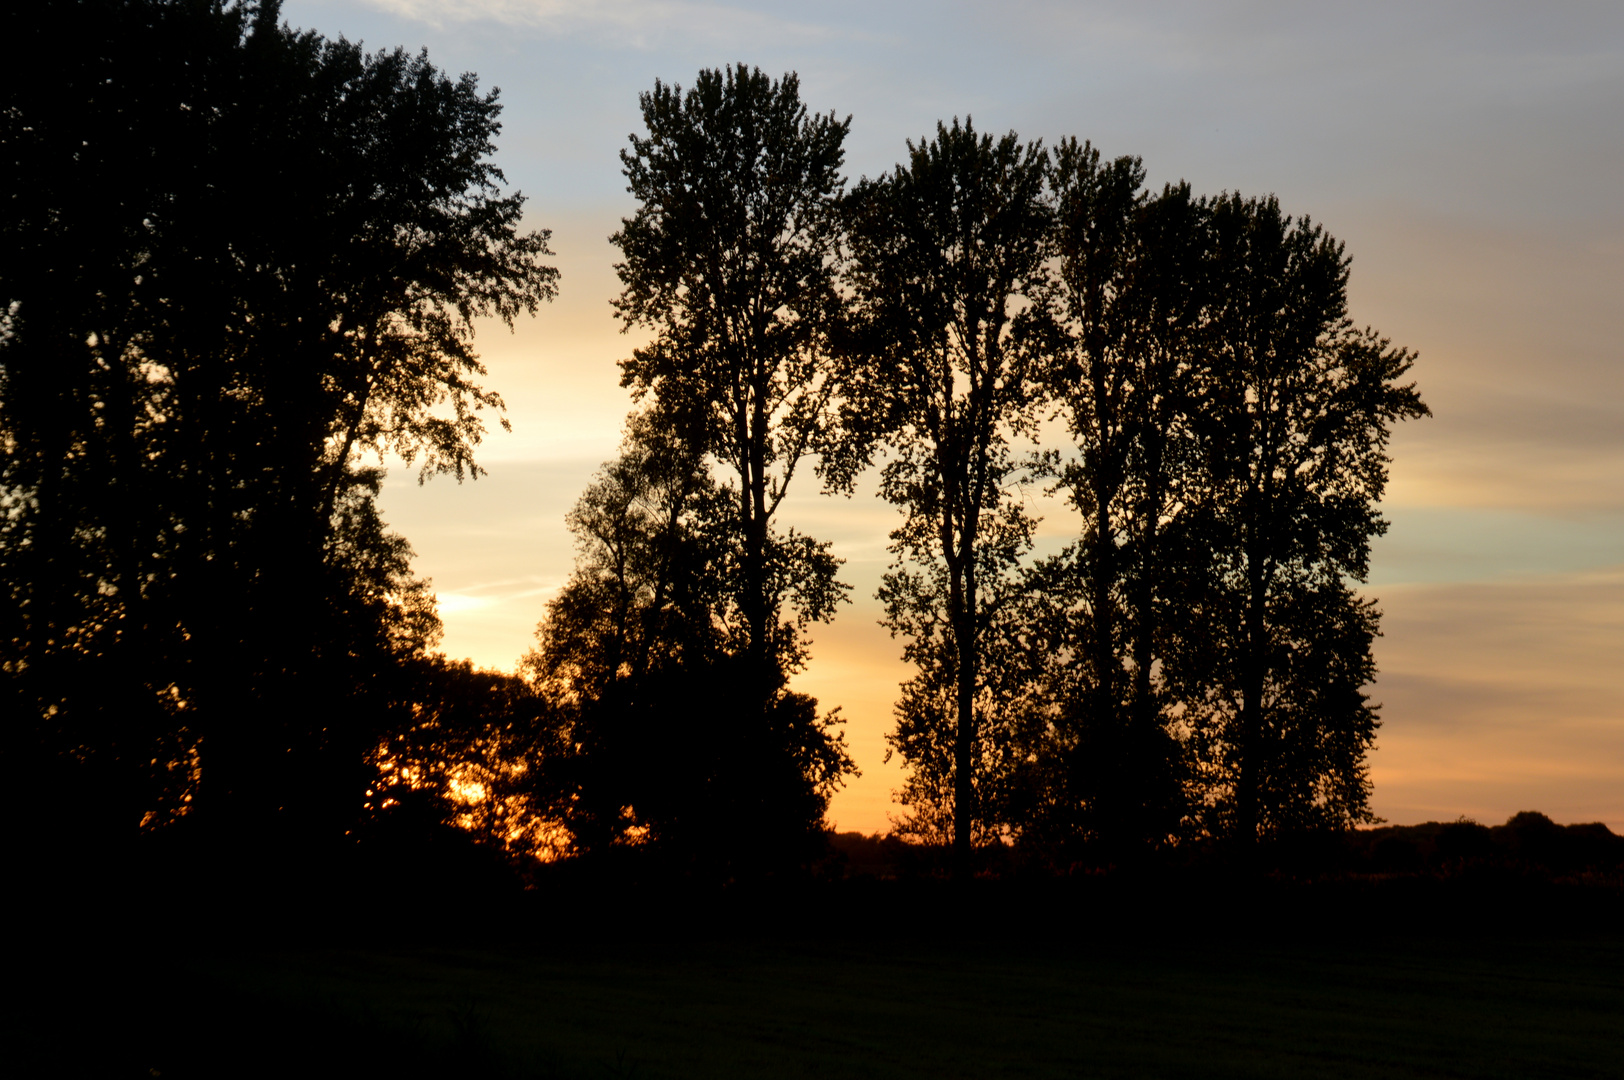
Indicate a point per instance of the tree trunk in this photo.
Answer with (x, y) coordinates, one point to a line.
(965, 734)
(1249, 736)
(757, 609)
(1150, 764)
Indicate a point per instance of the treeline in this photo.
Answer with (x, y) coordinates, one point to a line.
(1528, 848)
(241, 260)
(1191, 668)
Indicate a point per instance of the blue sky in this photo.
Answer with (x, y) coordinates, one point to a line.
(1469, 155)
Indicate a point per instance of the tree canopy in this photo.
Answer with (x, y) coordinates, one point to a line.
(731, 260)
(1129, 304)
(675, 752)
(236, 259)
(1294, 427)
(943, 265)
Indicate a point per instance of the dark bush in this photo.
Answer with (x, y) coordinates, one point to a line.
(1593, 846)
(1396, 855)
(1464, 840)
(1533, 839)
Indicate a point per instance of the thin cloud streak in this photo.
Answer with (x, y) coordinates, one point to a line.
(638, 24)
(1500, 697)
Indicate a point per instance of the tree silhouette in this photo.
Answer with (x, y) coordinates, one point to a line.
(730, 260)
(1295, 416)
(237, 257)
(478, 751)
(642, 651)
(946, 251)
(1130, 296)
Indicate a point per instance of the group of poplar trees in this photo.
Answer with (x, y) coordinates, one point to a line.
(1192, 666)
(241, 262)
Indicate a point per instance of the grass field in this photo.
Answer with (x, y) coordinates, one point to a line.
(1425, 1006)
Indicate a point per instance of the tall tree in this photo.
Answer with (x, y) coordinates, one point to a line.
(638, 650)
(236, 258)
(1295, 420)
(947, 253)
(731, 260)
(1130, 294)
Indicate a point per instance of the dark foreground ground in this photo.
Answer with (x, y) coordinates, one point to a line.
(888, 984)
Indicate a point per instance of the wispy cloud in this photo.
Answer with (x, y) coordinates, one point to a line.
(540, 13)
(640, 24)
(457, 603)
(473, 597)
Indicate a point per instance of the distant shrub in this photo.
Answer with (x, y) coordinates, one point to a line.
(1463, 840)
(1396, 855)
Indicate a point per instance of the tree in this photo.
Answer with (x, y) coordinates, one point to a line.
(640, 650)
(1294, 422)
(237, 257)
(947, 252)
(637, 609)
(730, 260)
(481, 753)
(1131, 296)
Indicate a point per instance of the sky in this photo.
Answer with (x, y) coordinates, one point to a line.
(1468, 154)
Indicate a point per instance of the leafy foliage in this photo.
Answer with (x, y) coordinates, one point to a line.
(645, 651)
(943, 265)
(238, 257)
(730, 260)
(1194, 663)
(1129, 302)
(481, 752)
(1297, 409)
